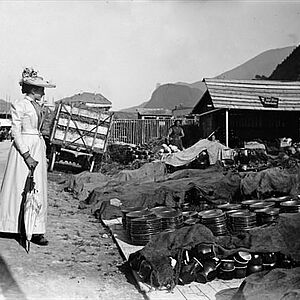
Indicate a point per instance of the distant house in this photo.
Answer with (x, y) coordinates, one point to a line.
(154, 113)
(4, 109)
(89, 99)
(182, 111)
(249, 109)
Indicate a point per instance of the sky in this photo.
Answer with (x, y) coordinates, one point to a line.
(123, 49)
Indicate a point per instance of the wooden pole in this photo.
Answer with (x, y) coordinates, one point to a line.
(227, 127)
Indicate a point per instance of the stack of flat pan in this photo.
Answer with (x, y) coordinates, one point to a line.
(261, 205)
(291, 206)
(246, 203)
(242, 221)
(171, 219)
(142, 229)
(127, 210)
(215, 220)
(266, 215)
(229, 206)
(135, 215)
(278, 200)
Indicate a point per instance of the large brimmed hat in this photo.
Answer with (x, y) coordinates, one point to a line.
(30, 76)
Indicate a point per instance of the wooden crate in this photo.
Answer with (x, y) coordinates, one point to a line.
(80, 128)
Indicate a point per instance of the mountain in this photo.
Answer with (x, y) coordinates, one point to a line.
(289, 69)
(263, 64)
(170, 95)
(188, 94)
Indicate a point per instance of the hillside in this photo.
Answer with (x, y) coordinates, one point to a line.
(289, 69)
(169, 95)
(263, 64)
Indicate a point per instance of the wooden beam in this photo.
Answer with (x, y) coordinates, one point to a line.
(227, 127)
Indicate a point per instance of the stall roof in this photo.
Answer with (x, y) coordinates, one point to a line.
(252, 94)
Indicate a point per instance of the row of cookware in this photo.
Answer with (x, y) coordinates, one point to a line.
(142, 223)
(201, 264)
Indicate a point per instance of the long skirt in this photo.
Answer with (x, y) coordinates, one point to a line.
(13, 184)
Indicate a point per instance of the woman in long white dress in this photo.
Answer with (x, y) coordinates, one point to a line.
(28, 151)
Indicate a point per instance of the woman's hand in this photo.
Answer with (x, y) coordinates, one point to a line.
(30, 162)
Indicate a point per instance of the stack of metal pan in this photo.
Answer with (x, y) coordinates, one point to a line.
(291, 206)
(127, 210)
(171, 219)
(261, 205)
(266, 215)
(229, 206)
(142, 229)
(246, 204)
(242, 221)
(278, 200)
(159, 209)
(215, 220)
(135, 215)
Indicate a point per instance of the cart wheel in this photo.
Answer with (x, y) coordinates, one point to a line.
(52, 158)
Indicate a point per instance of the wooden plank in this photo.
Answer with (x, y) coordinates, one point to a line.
(167, 295)
(83, 126)
(191, 292)
(84, 112)
(70, 137)
(207, 290)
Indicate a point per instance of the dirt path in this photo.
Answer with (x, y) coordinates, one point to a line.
(81, 261)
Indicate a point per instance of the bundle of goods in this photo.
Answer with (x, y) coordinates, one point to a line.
(126, 153)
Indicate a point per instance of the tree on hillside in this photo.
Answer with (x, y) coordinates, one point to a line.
(289, 69)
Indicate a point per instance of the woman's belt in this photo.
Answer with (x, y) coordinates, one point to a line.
(31, 133)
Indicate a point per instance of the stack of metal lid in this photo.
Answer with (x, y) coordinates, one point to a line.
(229, 206)
(261, 205)
(242, 221)
(278, 200)
(291, 206)
(126, 210)
(190, 215)
(246, 203)
(142, 229)
(171, 219)
(266, 215)
(159, 209)
(134, 215)
(215, 220)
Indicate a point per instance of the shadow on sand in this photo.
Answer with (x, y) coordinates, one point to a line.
(9, 289)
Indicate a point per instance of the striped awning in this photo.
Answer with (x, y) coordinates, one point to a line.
(254, 94)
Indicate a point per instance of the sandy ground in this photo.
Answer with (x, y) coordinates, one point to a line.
(80, 262)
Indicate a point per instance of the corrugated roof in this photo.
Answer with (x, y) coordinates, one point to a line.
(250, 94)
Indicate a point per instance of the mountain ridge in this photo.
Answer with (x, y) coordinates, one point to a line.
(262, 65)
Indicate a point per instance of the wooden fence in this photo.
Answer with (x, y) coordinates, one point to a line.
(138, 131)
